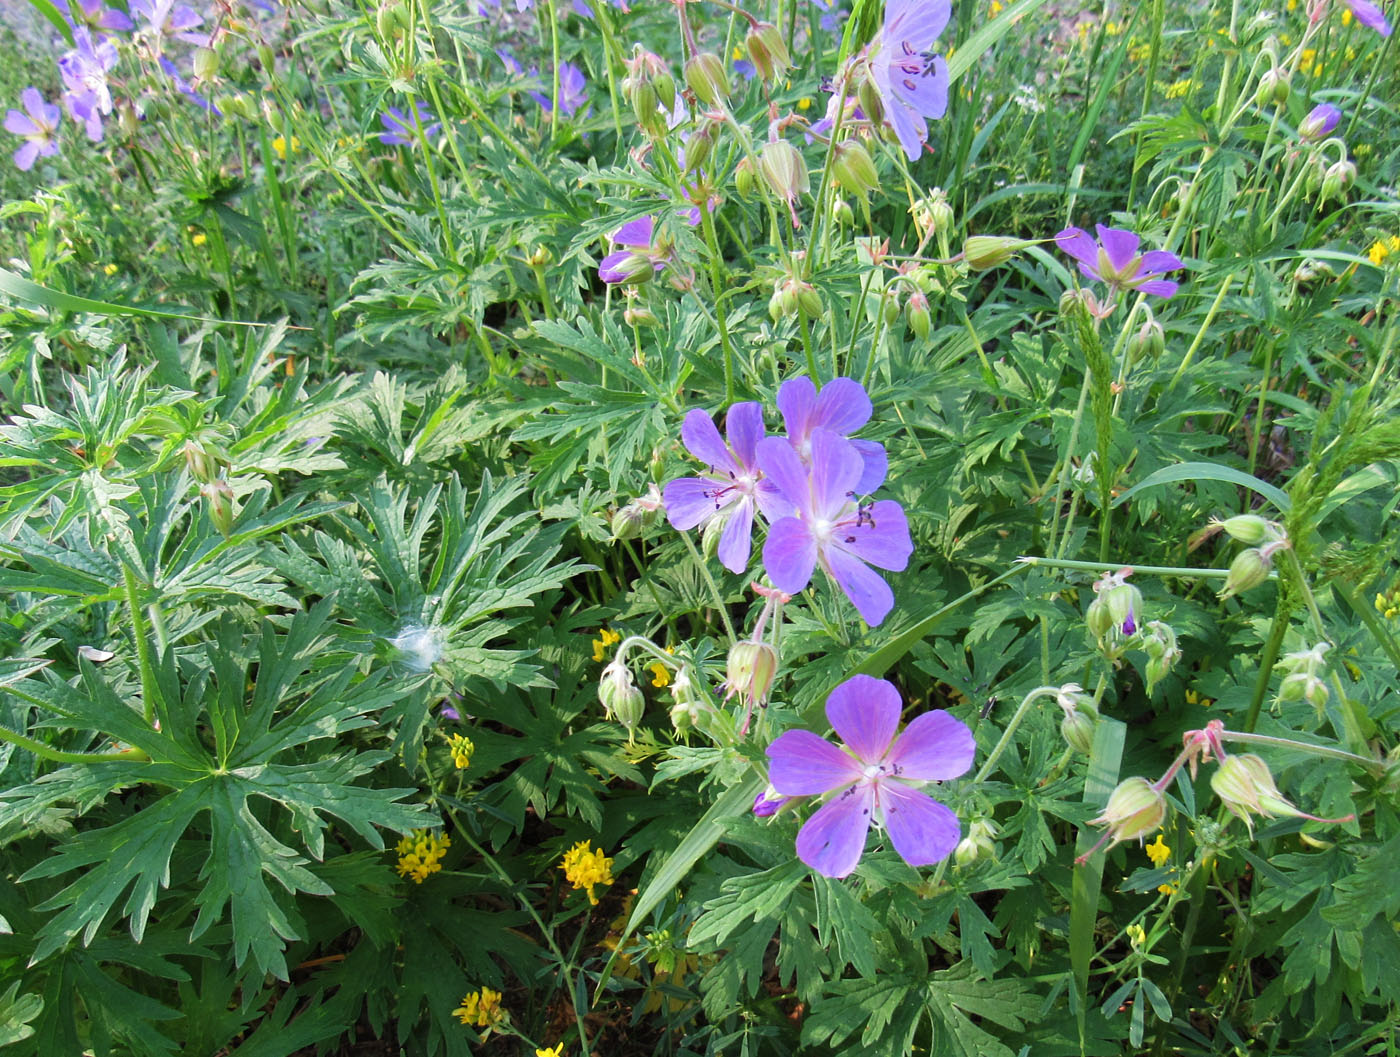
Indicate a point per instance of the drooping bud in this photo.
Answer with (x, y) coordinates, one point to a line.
(619, 696)
(1338, 177)
(744, 180)
(841, 212)
(698, 147)
(1246, 788)
(218, 496)
(769, 802)
(1133, 811)
(783, 169)
(1304, 686)
(871, 104)
(1148, 343)
(1319, 123)
(988, 251)
(639, 316)
(750, 671)
(980, 843)
(1078, 731)
(1273, 88)
(204, 465)
(705, 75)
(1249, 569)
(916, 309)
(1098, 618)
(206, 63)
(1250, 529)
(767, 50)
(631, 270)
(854, 168)
(627, 521)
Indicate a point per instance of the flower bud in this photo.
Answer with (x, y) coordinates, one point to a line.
(642, 95)
(1250, 529)
(1098, 618)
(939, 212)
(809, 300)
(750, 671)
(783, 169)
(1338, 177)
(1273, 88)
(639, 316)
(218, 495)
(699, 145)
(1133, 811)
(1249, 569)
(627, 521)
(1246, 788)
(1124, 602)
(619, 696)
(203, 464)
(1304, 686)
(744, 181)
(841, 212)
(767, 50)
(979, 843)
(871, 104)
(988, 251)
(782, 304)
(769, 802)
(1148, 343)
(710, 535)
(1319, 123)
(704, 73)
(633, 269)
(266, 59)
(1078, 731)
(916, 310)
(854, 169)
(665, 87)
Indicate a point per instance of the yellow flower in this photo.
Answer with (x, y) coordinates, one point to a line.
(553, 1051)
(109, 269)
(586, 868)
(1346, 17)
(1178, 88)
(419, 854)
(1112, 29)
(481, 1009)
(1136, 936)
(805, 103)
(661, 675)
(1388, 602)
(462, 749)
(1167, 889)
(1158, 851)
(1379, 251)
(1193, 698)
(280, 146)
(997, 7)
(199, 238)
(606, 637)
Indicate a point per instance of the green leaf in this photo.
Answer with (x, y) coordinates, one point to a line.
(16, 1011)
(22, 289)
(50, 11)
(972, 49)
(1207, 471)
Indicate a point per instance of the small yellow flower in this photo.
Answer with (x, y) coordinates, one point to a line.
(586, 868)
(109, 269)
(553, 1051)
(1112, 29)
(481, 1009)
(199, 238)
(1167, 889)
(805, 103)
(420, 853)
(1159, 852)
(1178, 89)
(606, 637)
(997, 7)
(1383, 248)
(280, 146)
(661, 675)
(1193, 698)
(1136, 936)
(1388, 602)
(462, 749)
(1346, 17)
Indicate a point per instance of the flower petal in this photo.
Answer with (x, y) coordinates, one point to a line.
(882, 539)
(19, 125)
(833, 839)
(909, 128)
(690, 501)
(1155, 262)
(797, 400)
(921, 829)
(781, 465)
(1121, 246)
(877, 464)
(736, 541)
(916, 22)
(24, 157)
(789, 555)
(836, 470)
(842, 406)
(702, 440)
(744, 427)
(1158, 287)
(802, 764)
(610, 268)
(635, 232)
(864, 712)
(772, 504)
(925, 93)
(933, 748)
(865, 588)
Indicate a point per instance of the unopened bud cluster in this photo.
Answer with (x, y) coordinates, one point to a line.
(1302, 680)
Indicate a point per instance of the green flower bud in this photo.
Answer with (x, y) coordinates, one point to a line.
(202, 462)
(642, 95)
(1273, 88)
(767, 50)
(698, 147)
(980, 843)
(1250, 529)
(266, 59)
(871, 103)
(627, 521)
(1304, 686)
(709, 536)
(206, 63)
(1338, 177)
(988, 251)
(855, 170)
(218, 496)
(1098, 618)
(1148, 343)
(1246, 788)
(750, 671)
(809, 300)
(1134, 810)
(1078, 731)
(916, 310)
(1249, 569)
(665, 87)
(639, 316)
(841, 212)
(635, 268)
(744, 181)
(619, 696)
(705, 75)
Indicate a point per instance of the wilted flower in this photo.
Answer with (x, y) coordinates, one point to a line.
(1134, 809)
(910, 81)
(1319, 123)
(874, 779)
(1246, 788)
(832, 529)
(1114, 259)
(734, 487)
(402, 129)
(39, 127)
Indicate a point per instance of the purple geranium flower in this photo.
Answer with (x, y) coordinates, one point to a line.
(638, 260)
(399, 127)
(94, 14)
(734, 486)
(169, 19)
(1369, 15)
(573, 91)
(842, 407)
(84, 70)
(831, 529)
(1114, 259)
(185, 88)
(1319, 123)
(874, 779)
(911, 81)
(38, 126)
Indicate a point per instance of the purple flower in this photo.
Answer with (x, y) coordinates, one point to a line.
(874, 779)
(94, 14)
(734, 486)
(581, 7)
(185, 88)
(84, 70)
(832, 16)
(911, 81)
(1115, 260)
(842, 407)
(39, 127)
(400, 129)
(169, 19)
(1319, 123)
(639, 260)
(573, 91)
(831, 529)
(1369, 15)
